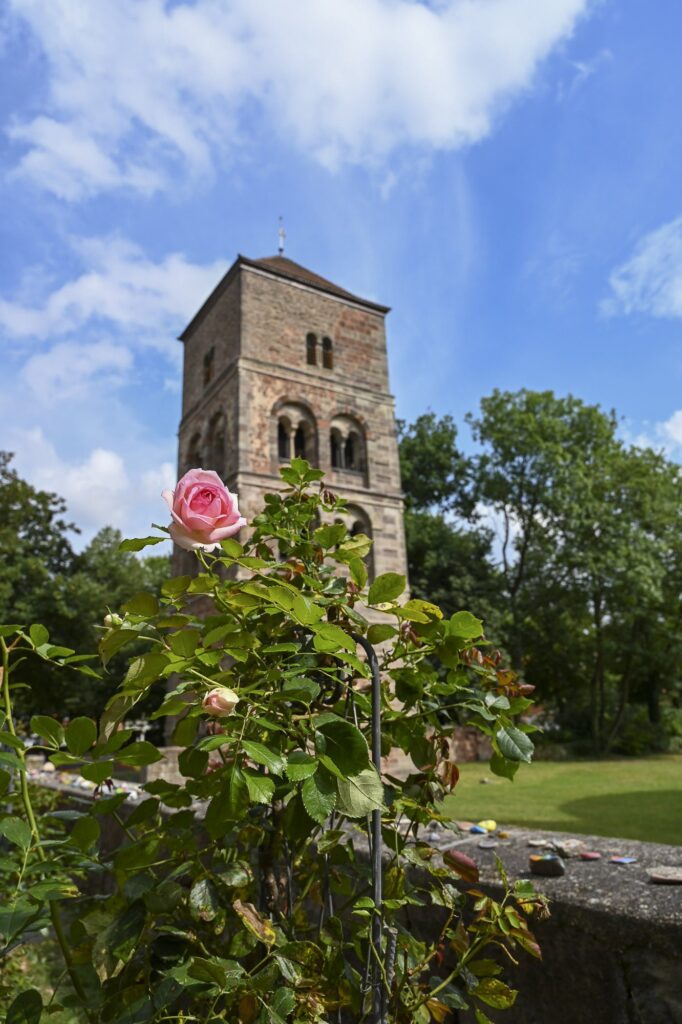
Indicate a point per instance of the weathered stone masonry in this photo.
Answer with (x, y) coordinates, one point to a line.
(279, 361)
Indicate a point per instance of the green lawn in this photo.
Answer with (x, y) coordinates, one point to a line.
(631, 799)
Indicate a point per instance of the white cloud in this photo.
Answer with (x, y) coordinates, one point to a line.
(122, 287)
(101, 489)
(582, 71)
(651, 280)
(69, 369)
(137, 86)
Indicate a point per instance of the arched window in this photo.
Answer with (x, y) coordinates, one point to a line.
(327, 354)
(311, 349)
(336, 445)
(283, 436)
(194, 458)
(293, 433)
(348, 446)
(216, 444)
(208, 366)
(352, 453)
(300, 442)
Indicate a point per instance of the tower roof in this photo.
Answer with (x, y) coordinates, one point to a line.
(283, 267)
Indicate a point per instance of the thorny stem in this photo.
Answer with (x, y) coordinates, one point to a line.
(33, 824)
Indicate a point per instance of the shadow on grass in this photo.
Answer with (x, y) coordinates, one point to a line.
(652, 815)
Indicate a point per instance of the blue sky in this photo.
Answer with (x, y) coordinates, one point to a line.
(503, 173)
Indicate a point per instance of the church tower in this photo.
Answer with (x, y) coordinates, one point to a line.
(280, 362)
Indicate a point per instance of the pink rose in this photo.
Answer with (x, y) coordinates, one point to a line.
(203, 510)
(220, 702)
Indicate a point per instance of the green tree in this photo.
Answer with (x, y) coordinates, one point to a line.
(448, 550)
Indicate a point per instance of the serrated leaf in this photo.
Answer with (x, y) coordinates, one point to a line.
(85, 832)
(496, 994)
(204, 904)
(342, 743)
(260, 787)
(273, 760)
(319, 796)
(300, 766)
(38, 634)
(138, 543)
(142, 603)
(17, 831)
(465, 626)
(48, 728)
(501, 766)
(514, 744)
(139, 754)
(97, 771)
(145, 670)
(386, 587)
(361, 794)
(381, 631)
(80, 735)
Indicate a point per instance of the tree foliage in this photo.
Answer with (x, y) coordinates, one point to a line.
(586, 566)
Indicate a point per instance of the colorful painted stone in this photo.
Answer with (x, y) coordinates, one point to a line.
(489, 825)
(590, 855)
(663, 874)
(548, 864)
(478, 830)
(623, 860)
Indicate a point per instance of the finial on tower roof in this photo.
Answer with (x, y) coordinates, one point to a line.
(282, 237)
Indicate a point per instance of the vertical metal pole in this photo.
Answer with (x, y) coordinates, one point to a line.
(378, 994)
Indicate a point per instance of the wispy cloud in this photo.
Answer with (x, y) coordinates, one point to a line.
(69, 369)
(651, 280)
(119, 285)
(582, 71)
(140, 88)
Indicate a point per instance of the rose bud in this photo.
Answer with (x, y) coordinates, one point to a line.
(220, 702)
(203, 510)
(112, 620)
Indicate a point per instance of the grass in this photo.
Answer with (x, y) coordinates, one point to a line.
(626, 798)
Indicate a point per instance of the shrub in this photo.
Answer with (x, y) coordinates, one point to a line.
(244, 892)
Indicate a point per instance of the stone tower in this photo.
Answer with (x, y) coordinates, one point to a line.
(280, 362)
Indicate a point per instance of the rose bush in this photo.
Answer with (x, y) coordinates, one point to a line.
(241, 892)
(203, 511)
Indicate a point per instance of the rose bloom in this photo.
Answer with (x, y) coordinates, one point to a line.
(203, 510)
(220, 702)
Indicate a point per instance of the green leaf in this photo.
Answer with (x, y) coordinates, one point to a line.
(85, 832)
(381, 631)
(112, 642)
(231, 547)
(271, 759)
(420, 611)
(330, 536)
(495, 993)
(319, 795)
(283, 1002)
(145, 670)
(54, 890)
(298, 688)
(481, 1017)
(358, 572)
(80, 735)
(386, 587)
(514, 744)
(26, 1008)
(204, 904)
(333, 637)
(342, 743)
(142, 603)
(261, 787)
(184, 642)
(465, 625)
(138, 543)
(501, 766)
(38, 634)
(361, 794)
(17, 831)
(139, 754)
(9, 629)
(97, 771)
(300, 766)
(175, 586)
(5, 779)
